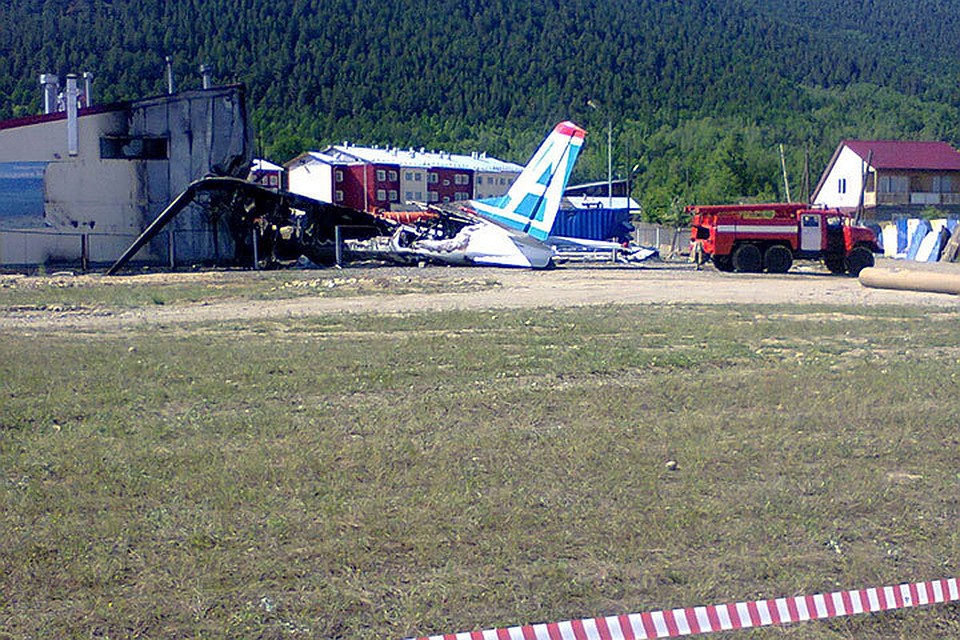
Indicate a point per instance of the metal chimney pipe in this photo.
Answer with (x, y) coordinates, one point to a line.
(51, 86)
(205, 71)
(169, 60)
(87, 88)
(73, 138)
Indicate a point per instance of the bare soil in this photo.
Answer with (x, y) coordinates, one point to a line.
(491, 288)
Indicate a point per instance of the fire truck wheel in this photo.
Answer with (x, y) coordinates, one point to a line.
(722, 263)
(777, 259)
(834, 264)
(746, 259)
(857, 260)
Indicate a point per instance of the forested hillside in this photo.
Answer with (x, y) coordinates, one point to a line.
(700, 93)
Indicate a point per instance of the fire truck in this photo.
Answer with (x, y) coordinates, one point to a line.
(752, 238)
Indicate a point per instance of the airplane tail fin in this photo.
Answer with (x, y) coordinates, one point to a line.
(532, 202)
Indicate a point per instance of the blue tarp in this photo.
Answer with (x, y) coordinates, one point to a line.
(923, 228)
(901, 235)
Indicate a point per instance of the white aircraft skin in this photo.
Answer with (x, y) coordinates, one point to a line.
(511, 230)
(489, 244)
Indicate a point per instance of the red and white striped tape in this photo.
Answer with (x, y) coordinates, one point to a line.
(741, 615)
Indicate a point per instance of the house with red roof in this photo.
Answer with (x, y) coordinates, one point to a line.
(896, 178)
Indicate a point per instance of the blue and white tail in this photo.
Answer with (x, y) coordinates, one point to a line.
(532, 202)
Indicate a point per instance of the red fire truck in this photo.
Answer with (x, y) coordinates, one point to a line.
(751, 238)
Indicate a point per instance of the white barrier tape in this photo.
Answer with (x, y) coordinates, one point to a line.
(741, 615)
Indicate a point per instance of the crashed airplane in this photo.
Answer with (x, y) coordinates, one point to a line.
(271, 228)
(506, 231)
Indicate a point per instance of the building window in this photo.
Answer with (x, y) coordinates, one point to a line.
(503, 181)
(381, 195)
(408, 195)
(418, 176)
(408, 175)
(338, 175)
(479, 179)
(433, 178)
(842, 185)
(419, 195)
(393, 195)
(381, 175)
(338, 196)
(461, 196)
(894, 184)
(433, 196)
(461, 179)
(446, 183)
(942, 184)
(393, 176)
(133, 148)
(446, 198)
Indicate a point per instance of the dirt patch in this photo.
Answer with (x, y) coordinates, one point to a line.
(598, 285)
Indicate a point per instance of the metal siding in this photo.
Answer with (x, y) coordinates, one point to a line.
(592, 224)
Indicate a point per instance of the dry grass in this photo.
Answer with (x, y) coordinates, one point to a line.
(382, 477)
(89, 292)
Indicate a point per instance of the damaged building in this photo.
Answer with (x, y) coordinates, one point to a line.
(81, 181)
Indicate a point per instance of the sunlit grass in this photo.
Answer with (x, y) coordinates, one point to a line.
(59, 293)
(386, 476)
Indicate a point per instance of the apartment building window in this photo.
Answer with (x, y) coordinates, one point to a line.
(338, 196)
(393, 195)
(433, 178)
(461, 179)
(433, 196)
(418, 176)
(338, 175)
(393, 176)
(381, 195)
(842, 185)
(381, 175)
(408, 175)
(461, 196)
(408, 195)
(479, 179)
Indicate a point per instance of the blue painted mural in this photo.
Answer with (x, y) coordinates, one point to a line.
(21, 194)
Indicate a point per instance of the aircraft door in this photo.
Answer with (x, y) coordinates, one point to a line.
(811, 232)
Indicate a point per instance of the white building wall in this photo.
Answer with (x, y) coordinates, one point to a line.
(413, 184)
(110, 200)
(311, 178)
(488, 184)
(842, 186)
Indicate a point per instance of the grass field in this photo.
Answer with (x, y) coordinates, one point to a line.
(55, 293)
(389, 476)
